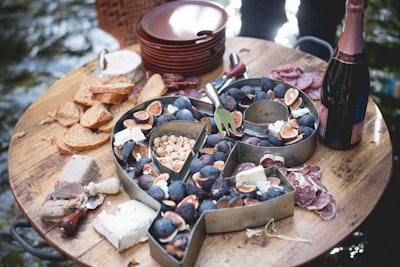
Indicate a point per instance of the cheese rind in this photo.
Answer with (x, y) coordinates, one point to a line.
(128, 226)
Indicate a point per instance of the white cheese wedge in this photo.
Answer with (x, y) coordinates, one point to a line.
(128, 134)
(128, 226)
(300, 112)
(122, 62)
(251, 176)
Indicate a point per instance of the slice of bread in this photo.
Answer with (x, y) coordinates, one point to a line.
(95, 116)
(80, 138)
(83, 96)
(117, 111)
(68, 113)
(110, 98)
(154, 87)
(118, 88)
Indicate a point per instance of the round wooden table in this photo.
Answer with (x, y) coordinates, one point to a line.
(357, 178)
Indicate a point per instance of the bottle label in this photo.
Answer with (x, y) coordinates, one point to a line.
(357, 132)
(323, 118)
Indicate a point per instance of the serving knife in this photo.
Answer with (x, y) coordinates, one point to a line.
(75, 189)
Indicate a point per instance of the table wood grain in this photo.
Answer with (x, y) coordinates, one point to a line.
(357, 178)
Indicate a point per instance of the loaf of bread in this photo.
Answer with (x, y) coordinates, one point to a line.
(68, 113)
(80, 138)
(95, 116)
(154, 87)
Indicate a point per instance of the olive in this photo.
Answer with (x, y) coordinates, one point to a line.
(183, 102)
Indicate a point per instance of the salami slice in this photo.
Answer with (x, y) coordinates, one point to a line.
(328, 212)
(304, 81)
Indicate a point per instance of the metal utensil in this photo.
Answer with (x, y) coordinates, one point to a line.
(234, 58)
(223, 118)
(102, 63)
(75, 189)
(69, 223)
(236, 70)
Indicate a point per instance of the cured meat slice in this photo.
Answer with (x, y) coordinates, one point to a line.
(328, 212)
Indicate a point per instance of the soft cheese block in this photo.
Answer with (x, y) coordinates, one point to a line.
(128, 226)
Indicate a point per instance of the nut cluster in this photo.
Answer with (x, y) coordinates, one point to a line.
(172, 151)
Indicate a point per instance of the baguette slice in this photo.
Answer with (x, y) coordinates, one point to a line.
(95, 116)
(81, 138)
(68, 113)
(117, 111)
(118, 88)
(83, 96)
(154, 87)
(109, 98)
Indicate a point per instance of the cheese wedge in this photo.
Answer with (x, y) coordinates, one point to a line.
(128, 226)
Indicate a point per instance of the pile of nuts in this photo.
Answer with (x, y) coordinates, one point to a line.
(172, 151)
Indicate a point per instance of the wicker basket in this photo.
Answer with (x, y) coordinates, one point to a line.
(118, 17)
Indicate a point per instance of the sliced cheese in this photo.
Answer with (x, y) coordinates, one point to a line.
(251, 176)
(128, 226)
(122, 62)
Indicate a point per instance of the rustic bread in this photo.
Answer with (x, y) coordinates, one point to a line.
(83, 96)
(68, 113)
(95, 116)
(110, 98)
(117, 111)
(80, 138)
(154, 87)
(118, 88)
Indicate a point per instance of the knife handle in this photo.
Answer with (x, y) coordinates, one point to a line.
(236, 70)
(108, 186)
(68, 224)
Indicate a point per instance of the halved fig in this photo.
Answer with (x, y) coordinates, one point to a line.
(237, 118)
(190, 199)
(139, 151)
(155, 108)
(291, 95)
(129, 123)
(162, 177)
(141, 116)
(295, 140)
(297, 103)
(251, 201)
(171, 215)
(288, 131)
(150, 168)
(274, 180)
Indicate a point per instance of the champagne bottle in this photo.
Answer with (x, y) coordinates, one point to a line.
(346, 84)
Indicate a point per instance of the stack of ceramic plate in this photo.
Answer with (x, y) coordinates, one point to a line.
(185, 37)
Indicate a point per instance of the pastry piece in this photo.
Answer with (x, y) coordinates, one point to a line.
(128, 226)
(80, 138)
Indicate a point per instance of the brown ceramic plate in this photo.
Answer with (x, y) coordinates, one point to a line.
(182, 21)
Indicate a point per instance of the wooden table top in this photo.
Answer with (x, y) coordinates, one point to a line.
(357, 178)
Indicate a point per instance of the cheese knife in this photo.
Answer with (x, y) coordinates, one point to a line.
(75, 189)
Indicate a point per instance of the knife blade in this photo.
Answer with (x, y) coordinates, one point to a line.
(102, 63)
(69, 223)
(75, 189)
